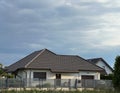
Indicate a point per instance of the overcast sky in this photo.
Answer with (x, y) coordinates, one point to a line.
(88, 28)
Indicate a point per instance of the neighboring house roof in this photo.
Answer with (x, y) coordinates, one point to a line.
(45, 59)
(96, 60)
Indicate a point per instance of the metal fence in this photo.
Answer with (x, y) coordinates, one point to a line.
(11, 83)
(56, 83)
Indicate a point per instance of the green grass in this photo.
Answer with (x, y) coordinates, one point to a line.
(51, 91)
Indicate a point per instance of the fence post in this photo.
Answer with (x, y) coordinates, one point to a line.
(6, 82)
(39, 84)
(94, 84)
(75, 83)
(54, 83)
(69, 84)
(24, 83)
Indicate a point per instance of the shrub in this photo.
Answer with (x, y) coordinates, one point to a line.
(107, 77)
(116, 75)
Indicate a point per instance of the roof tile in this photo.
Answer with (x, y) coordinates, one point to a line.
(46, 59)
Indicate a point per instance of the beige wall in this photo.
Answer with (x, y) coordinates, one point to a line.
(69, 75)
(50, 75)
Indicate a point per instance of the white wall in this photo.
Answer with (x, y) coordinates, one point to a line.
(50, 75)
(28, 75)
(69, 75)
(104, 66)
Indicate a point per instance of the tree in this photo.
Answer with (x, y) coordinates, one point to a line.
(1, 70)
(106, 77)
(3, 73)
(1, 65)
(116, 74)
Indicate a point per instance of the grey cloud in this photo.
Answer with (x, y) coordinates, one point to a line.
(55, 19)
(62, 26)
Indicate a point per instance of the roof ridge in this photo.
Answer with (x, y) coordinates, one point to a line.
(35, 57)
(67, 55)
(50, 51)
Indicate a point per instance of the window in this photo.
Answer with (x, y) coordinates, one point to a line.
(87, 77)
(40, 75)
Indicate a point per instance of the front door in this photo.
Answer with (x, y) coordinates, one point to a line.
(58, 79)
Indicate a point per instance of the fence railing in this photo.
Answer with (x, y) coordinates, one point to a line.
(55, 83)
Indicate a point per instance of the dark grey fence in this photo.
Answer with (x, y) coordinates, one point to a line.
(55, 83)
(11, 83)
(97, 84)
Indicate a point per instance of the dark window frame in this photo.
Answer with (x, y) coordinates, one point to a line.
(40, 75)
(88, 77)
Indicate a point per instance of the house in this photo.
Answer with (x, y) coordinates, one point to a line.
(102, 63)
(45, 64)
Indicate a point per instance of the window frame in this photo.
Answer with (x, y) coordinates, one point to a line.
(88, 77)
(40, 75)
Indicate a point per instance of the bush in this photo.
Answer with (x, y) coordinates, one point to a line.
(51, 91)
(107, 77)
(46, 85)
(116, 76)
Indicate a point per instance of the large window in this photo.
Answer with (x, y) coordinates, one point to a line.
(87, 77)
(40, 75)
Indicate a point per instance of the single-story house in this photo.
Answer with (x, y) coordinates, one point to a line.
(45, 64)
(102, 63)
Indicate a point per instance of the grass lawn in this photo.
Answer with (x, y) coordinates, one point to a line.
(51, 91)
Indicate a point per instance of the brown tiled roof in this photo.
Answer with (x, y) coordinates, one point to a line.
(45, 59)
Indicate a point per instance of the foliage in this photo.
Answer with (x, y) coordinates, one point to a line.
(46, 85)
(107, 77)
(53, 91)
(116, 76)
(1, 70)
(3, 73)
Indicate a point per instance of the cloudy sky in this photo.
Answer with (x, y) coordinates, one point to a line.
(88, 28)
